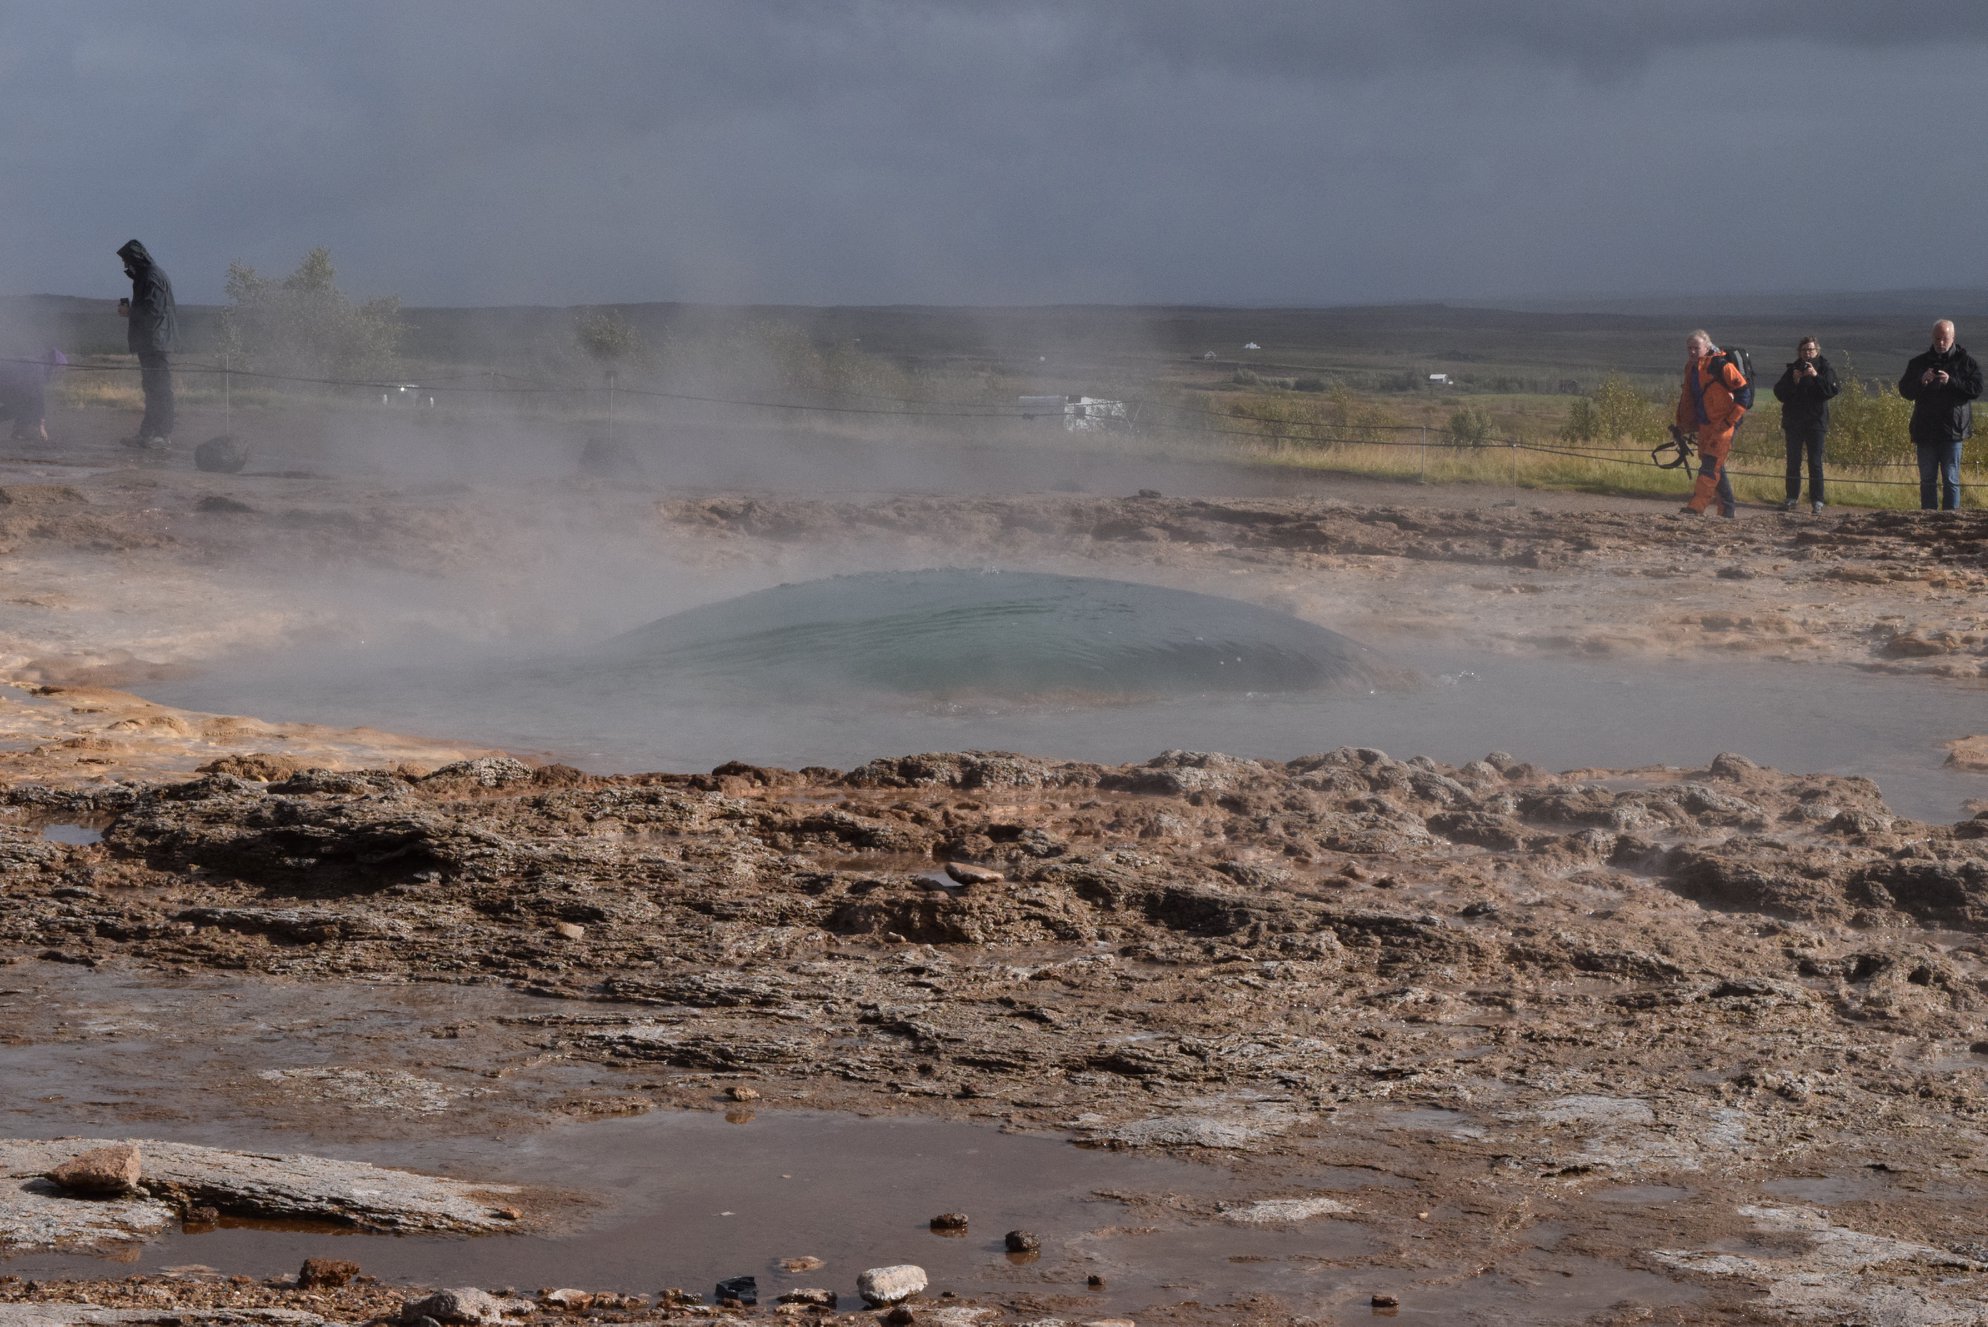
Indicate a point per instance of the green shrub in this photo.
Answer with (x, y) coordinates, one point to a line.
(1869, 423)
(1469, 427)
(607, 338)
(303, 325)
(1616, 412)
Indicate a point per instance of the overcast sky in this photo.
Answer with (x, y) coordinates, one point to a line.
(1146, 151)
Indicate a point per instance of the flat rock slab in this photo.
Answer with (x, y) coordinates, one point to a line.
(35, 1214)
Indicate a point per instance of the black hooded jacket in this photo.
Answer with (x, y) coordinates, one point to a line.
(153, 328)
(1805, 400)
(1942, 414)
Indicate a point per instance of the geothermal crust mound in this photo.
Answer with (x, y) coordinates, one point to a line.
(1001, 633)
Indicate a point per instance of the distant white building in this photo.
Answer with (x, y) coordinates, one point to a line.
(1439, 380)
(1251, 345)
(1080, 414)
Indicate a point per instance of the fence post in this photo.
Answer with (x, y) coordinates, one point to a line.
(227, 391)
(1424, 454)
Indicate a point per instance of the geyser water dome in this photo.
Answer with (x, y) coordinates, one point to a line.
(955, 632)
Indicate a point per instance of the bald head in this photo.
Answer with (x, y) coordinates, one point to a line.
(1943, 334)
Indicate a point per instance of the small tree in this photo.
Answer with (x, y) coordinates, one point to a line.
(607, 338)
(1869, 423)
(304, 325)
(1615, 411)
(1470, 427)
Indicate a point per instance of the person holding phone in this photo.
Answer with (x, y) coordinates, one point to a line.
(151, 331)
(1941, 384)
(1804, 390)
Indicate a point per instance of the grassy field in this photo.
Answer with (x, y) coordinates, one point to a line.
(1346, 389)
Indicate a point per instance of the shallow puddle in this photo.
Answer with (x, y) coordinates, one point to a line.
(689, 1198)
(1642, 1195)
(401, 1076)
(75, 835)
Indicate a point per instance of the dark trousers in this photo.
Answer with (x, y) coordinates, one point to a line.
(23, 405)
(1939, 475)
(155, 375)
(1805, 442)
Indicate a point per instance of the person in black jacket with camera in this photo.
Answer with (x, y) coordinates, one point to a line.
(1804, 389)
(1941, 384)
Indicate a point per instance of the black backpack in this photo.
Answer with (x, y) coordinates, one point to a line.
(1742, 361)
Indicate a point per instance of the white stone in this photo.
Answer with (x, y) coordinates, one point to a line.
(464, 1304)
(887, 1285)
(1273, 1211)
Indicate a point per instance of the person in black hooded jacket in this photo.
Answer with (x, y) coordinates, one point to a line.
(1941, 384)
(1804, 390)
(151, 333)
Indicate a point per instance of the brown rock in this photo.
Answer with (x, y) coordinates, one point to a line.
(807, 1262)
(326, 1273)
(1968, 752)
(1023, 1241)
(809, 1297)
(106, 1172)
(570, 930)
(950, 1222)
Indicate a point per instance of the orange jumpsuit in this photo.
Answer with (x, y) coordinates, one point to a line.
(1706, 406)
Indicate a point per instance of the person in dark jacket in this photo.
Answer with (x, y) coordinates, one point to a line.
(1941, 385)
(152, 333)
(22, 394)
(1804, 390)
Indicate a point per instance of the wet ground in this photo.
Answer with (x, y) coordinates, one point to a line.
(1453, 705)
(1612, 1028)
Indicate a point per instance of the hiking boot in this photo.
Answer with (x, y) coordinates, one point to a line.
(1815, 509)
(1790, 505)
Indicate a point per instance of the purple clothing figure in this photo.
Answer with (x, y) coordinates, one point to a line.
(23, 399)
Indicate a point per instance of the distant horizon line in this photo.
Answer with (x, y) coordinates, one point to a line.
(1578, 302)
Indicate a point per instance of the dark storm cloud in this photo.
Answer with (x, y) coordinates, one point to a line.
(1145, 150)
(1603, 38)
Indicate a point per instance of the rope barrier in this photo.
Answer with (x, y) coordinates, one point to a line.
(1312, 432)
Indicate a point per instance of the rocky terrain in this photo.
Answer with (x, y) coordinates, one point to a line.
(1495, 1042)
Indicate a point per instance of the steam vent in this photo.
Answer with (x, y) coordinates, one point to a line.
(953, 632)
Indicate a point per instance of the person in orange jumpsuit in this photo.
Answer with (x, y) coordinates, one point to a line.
(1706, 407)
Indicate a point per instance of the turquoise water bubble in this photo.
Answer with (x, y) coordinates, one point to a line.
(955, 632)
